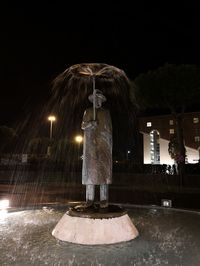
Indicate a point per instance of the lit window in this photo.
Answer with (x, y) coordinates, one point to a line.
(195, 120)
(197, 138)
(148, 124)
(154, 147)
(171, 122)
(171, 131)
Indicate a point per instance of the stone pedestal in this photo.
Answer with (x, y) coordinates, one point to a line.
(95, 227)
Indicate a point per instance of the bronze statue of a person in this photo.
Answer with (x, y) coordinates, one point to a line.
(97, 150)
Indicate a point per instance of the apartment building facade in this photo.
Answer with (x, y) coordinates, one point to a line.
(157, 130)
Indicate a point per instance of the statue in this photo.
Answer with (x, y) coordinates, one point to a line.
(99, 83)
(92, 223)
(97, 150)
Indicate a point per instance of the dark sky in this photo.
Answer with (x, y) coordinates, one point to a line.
(38, 41)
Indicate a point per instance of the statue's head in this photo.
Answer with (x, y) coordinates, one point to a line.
(99, 98)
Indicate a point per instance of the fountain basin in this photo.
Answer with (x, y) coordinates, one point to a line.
(167, 237)
(95, 227)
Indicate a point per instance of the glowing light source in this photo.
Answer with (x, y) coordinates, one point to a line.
(166, 203)
(51, 118)
(4, 204)
(79, 139)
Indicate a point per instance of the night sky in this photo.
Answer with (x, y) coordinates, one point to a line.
(39, 41)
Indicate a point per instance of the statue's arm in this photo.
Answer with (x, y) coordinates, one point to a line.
(88, 122)
(89, 125)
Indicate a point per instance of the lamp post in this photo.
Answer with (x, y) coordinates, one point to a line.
(79, 140)
(128, 154)
(52, 119)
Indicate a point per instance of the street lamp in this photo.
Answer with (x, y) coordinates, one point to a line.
(79, 140)
(128, 154)
(52, 119)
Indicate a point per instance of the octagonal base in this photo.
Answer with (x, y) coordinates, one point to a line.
(95, 229)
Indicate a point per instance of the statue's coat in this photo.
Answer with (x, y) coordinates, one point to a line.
(97, 148)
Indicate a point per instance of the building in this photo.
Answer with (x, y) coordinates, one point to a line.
(156, 131)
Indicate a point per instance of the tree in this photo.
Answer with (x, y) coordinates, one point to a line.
(174, 87)
(173, 149)
(7, 136)
(38, 146)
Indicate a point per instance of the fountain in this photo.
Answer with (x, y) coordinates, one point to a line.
(168, 236)
(93, 223)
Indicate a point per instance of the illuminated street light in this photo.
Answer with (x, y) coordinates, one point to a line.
(52, 119)
(79, 139)
(128, 153)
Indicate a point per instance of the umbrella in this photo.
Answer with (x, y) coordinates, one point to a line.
(76, 83)
(72, 87)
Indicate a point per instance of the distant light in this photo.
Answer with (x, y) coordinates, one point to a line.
(128, 151)
(4, 204)
(149, 124)
(166, 203)
(79, 139)
(51, 118)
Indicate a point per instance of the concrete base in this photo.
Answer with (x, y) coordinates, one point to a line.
(95, 231)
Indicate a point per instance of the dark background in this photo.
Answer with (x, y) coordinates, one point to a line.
(38, 41)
